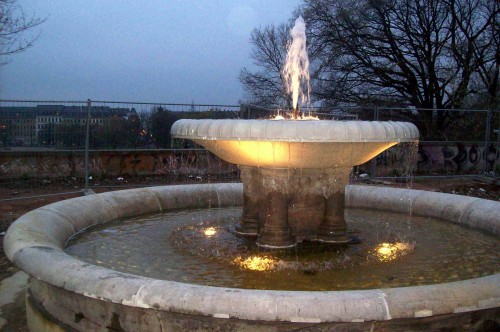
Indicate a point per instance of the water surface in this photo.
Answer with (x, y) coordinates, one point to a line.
(198, 247)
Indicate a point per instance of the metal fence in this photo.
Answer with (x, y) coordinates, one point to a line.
(69, 146)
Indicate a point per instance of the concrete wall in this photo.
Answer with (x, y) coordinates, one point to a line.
(431, 158)
(35, 163)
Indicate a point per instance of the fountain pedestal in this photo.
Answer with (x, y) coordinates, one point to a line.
(283, 206)
(333, 228)
(249, 222)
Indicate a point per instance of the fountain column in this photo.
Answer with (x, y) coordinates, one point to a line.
(249, 222)
(275, 230)
(287, 205)
(333, 228)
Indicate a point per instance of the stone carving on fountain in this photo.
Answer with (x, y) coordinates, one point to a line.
(294, 172)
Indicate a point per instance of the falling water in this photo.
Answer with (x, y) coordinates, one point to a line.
(296, 70)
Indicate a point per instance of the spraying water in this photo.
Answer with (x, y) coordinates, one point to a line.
(296, 70)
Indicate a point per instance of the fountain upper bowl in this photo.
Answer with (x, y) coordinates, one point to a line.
(295, 143)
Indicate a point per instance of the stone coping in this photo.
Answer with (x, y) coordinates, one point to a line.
(36, 240)
(295, 130)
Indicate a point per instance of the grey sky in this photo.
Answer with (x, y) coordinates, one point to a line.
(154, 50)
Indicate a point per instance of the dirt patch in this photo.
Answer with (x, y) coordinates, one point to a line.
(482, 187)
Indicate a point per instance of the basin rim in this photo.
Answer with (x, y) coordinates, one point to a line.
(310, 131)
(41, 255)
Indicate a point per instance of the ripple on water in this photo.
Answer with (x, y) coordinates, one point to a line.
(198, 247)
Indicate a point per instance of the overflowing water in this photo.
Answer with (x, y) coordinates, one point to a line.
(296, 69)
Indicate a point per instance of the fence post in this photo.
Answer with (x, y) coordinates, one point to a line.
(487, 138)
(497, 146)
(87, 139)
(373, 169)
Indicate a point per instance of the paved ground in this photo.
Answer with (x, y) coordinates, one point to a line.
(12, 280)
(12, 309)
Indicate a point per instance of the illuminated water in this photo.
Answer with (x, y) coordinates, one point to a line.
(296, 69)
(196, 247)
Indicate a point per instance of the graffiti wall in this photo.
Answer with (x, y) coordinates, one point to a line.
(437, 158)
(429, 158)
(146, 162)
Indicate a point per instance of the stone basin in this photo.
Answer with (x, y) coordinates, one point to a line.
(295, 144)
(66, 294)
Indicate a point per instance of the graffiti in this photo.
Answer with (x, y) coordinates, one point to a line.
(458, 158)
(17, 166)
(435, 158)
(47, 166)
(397, 161)
(63, 164)
(430, 158)
(78, 165)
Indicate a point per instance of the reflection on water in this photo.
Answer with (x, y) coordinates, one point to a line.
(199, 247)
(390, 251)
(256, 263)
(209, 231)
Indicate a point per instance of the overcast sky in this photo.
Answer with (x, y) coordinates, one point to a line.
(154, 50)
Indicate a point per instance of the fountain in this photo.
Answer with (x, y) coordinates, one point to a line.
(294, 175)
(294, 171)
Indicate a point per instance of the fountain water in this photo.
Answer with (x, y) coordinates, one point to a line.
(296, 69)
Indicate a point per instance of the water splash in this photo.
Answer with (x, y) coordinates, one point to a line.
(297, 117)
(296, 70)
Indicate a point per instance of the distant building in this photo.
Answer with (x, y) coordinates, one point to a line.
(22, 125)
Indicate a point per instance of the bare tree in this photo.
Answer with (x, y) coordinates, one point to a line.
(422, 53)
(266, 86)
(14, 25)
(476, 25)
